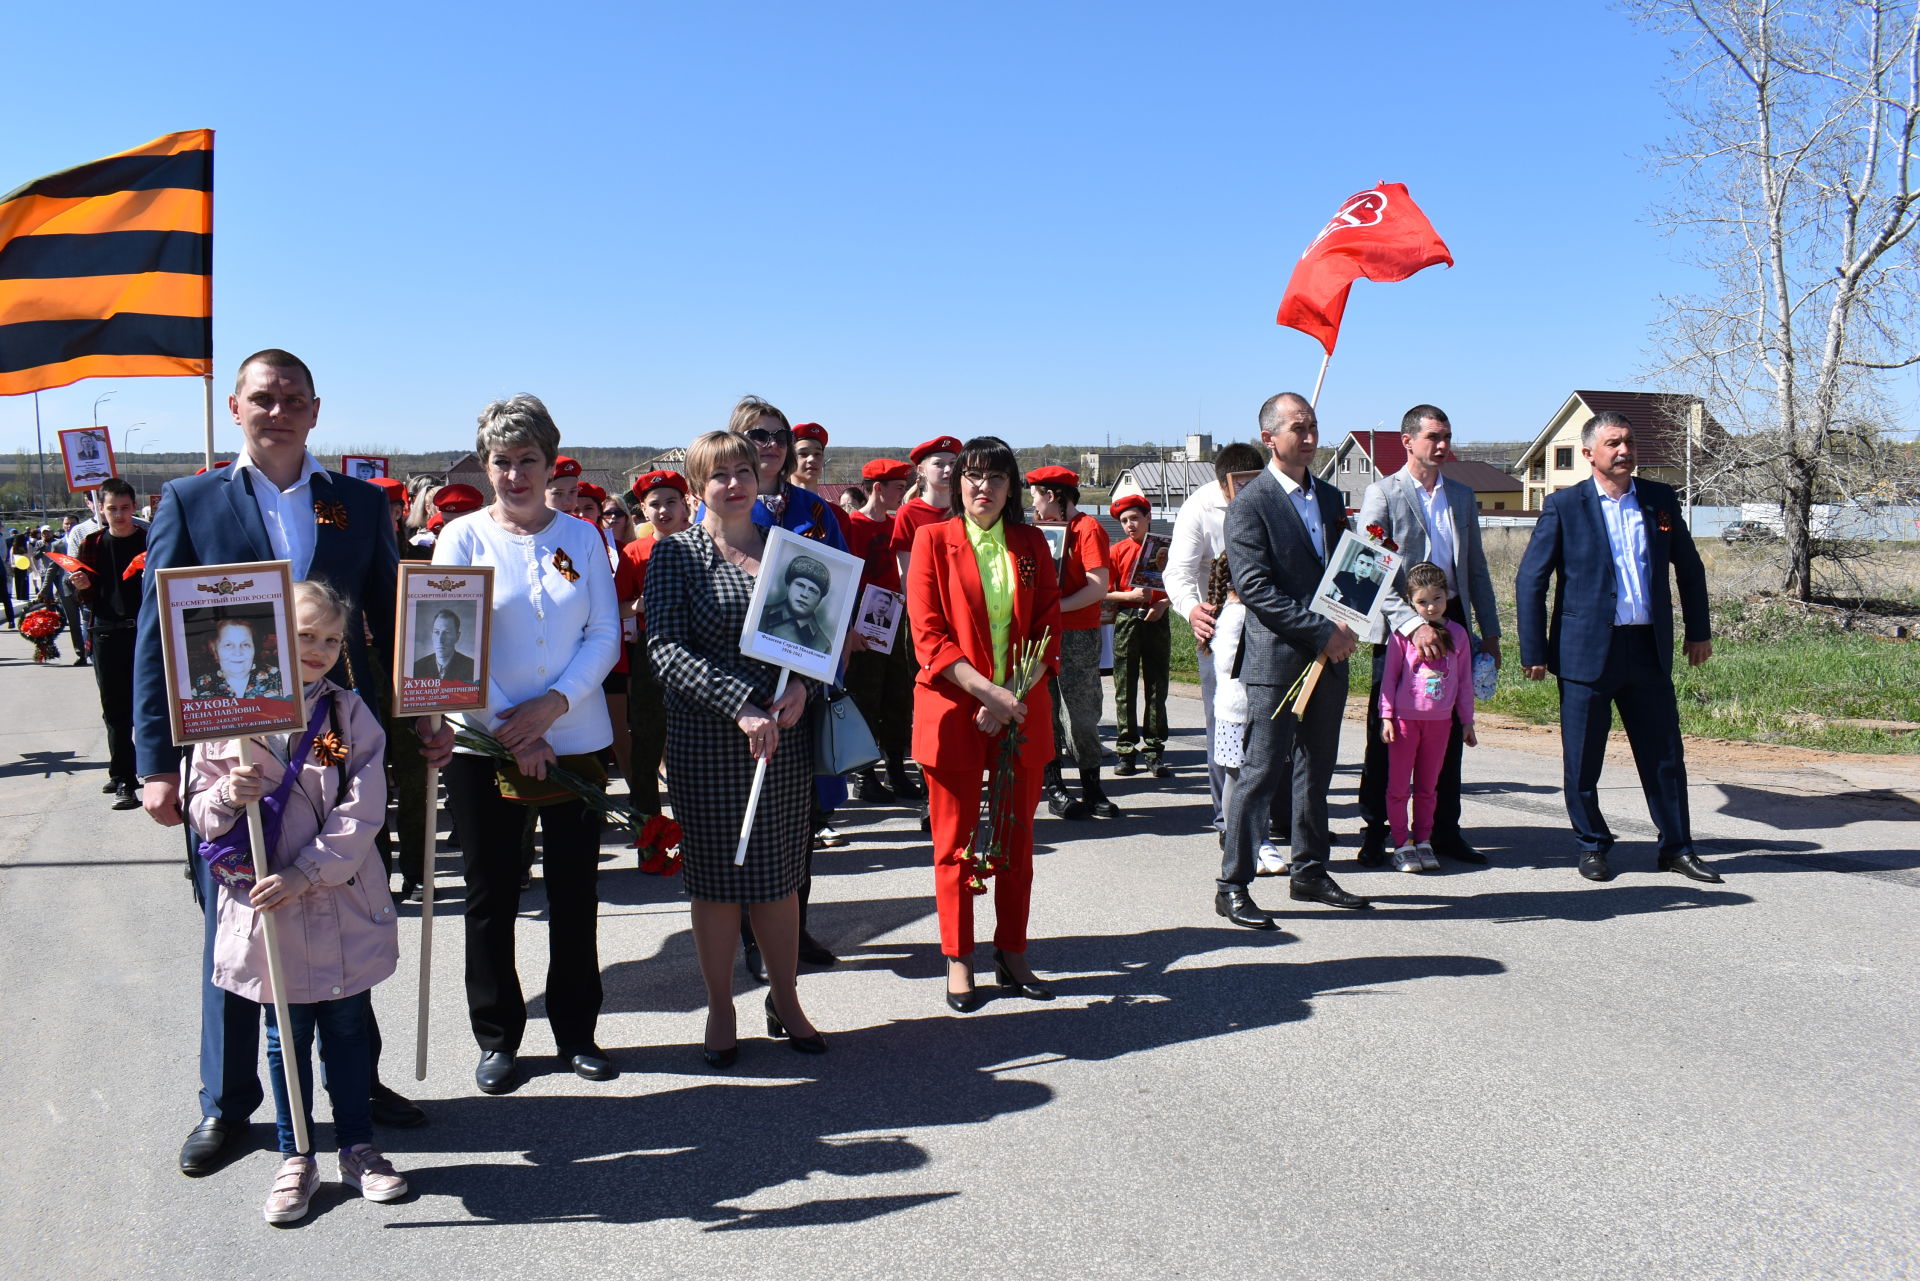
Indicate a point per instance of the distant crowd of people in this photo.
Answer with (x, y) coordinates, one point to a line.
(615, 643)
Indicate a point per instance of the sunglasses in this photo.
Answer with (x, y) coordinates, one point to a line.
(761, 436)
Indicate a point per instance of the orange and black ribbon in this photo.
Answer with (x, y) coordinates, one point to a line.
(564, 563)
(330, 511)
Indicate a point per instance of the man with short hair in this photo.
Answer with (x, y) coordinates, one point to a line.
(275, 503)
(110, 593)
(1610, 541)
(444, 661)
(1280, 531)
(1433, 519)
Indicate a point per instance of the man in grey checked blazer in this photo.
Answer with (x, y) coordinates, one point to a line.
(1280, 530)
(1409, 507)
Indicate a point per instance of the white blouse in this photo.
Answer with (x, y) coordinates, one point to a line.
(549, 632)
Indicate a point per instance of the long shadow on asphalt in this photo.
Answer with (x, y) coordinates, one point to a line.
(1870, 805)
(633, 1154)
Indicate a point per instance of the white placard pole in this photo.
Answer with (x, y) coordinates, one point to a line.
(759, 779)
(427, 852)
(270, 926)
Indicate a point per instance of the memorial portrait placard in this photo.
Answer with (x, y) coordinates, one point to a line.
(1359, 577)
(1150, 570)
(87, 454)
(227, 643)
(802, 603)
(363, 466)
(443, 614)
(878, 618)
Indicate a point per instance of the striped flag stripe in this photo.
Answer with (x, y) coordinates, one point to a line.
(167, 209)
(52, 342)
(186, 163)
(92, 297)
(111, 366)
(104, 253)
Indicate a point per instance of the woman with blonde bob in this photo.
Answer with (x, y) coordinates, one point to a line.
(722, 720)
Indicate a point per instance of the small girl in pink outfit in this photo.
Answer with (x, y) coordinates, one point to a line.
(1419, 699)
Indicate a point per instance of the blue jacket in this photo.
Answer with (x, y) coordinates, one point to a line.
(1570, 544)
(212, 519)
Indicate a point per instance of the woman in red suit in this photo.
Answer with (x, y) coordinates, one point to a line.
(979, 586)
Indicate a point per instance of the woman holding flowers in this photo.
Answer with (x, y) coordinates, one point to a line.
(555, 635)
(984, 603)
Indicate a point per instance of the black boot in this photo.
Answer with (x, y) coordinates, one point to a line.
(901, 781)
(1093, 797)
(1060, 802)
(866, 786)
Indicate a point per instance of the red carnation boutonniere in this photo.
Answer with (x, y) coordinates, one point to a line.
(564, 563)
(328, 749)
(327, 511)
(1025, 570)
(660, 839)
(1379, 535)
(1663, 521)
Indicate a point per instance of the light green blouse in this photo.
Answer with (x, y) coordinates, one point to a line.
(996, 582)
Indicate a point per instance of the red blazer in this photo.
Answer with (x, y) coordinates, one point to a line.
(948, 610)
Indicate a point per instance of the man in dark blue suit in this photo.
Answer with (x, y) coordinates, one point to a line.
(1609, 543)
(274, 503)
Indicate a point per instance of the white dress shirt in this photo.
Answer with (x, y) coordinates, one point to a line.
(1199, 535)
(1627, 536)
(1305, 505)
(1436, 513)
(287, 513)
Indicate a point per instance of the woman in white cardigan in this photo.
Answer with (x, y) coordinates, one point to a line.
(555, 636)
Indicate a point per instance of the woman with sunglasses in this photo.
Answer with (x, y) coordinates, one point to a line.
(981, 585)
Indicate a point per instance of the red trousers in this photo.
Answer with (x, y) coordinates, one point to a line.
(953, 807)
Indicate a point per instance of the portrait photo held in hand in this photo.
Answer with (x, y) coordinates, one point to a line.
(879, 617)
(87, 454)
(444, 612)
(1150, 569)
(1354, 588)
(363, 466)
(226, 643)
(801, 605)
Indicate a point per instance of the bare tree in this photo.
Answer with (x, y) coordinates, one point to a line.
(1796, 191)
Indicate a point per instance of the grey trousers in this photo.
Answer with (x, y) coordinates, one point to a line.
(1078, 687)
(1279, 746)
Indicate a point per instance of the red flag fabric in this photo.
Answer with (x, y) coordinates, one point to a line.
(1380, 234)
(134, 566)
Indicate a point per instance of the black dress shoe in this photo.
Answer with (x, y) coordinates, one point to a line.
(124, 798)
(497, 1073)
(394, 1110)
(1593, 866)
(721, 1060)
(1459, 851)
(1373, 848)
(1126, 768)
(200, 1154)
(109, 788)
(755, 963)
(1321, 889)
(592, 1063)
(1003, 973)
(964, 1002)
(409, 889)
(1690, 866)
(815, 1044)
(1068, 808)
(1237, 906)
(814, 952)
(1158, 767)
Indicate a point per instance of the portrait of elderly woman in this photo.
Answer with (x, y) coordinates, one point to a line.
(796, 611)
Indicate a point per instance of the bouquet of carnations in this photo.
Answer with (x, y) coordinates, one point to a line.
(988, 853)
(40, 626)
(659, 846)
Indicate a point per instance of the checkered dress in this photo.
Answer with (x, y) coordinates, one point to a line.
(696, 606)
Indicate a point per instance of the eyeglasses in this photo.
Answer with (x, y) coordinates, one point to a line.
(986, 479)
(761, 436)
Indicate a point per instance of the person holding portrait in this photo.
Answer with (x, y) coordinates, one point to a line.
(722, 720)
(555, 632)
(981, 585)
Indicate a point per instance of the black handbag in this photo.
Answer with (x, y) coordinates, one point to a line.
(842, 743)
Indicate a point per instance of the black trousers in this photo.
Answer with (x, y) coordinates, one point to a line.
(647, 724)
(1285, 752)
(490, 831)
(1640, 685)
(1373, 767)
(113, 674)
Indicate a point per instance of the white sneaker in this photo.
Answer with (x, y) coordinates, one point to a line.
(1429, 861)
(293, 1187)
(363, 1168)
(828, 839)
(1407, 859)
(1271, 860)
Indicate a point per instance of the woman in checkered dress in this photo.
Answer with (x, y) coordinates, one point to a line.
(722, 719)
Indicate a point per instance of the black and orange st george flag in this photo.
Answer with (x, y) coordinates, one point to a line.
(107, 269)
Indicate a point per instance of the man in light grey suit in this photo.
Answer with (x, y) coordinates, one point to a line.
(1435, 519)
(1279, 532)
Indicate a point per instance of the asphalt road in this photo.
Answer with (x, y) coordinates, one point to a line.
(1499, 1073)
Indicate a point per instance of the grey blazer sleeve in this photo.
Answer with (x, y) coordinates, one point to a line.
(1374, 511)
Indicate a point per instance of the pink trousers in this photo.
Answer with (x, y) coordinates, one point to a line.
(1414, 758)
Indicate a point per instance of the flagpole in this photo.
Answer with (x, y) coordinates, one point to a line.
(209, 382)
(39, 455)
(427, 852)
(1319, 382)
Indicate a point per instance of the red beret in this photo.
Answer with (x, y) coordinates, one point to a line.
(662, 479)
(1054, 475)
(887, 469)
(590, 490)
(938, 445)
(457, 500)
(565, 466)
(1129, 502)
(394, 488)
(811, 431)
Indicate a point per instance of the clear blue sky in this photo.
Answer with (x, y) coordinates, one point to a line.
(1056, 222)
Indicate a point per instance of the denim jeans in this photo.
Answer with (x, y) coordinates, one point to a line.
(346, 1052)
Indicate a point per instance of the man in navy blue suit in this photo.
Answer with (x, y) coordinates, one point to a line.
(1609, 542)
(274, 503)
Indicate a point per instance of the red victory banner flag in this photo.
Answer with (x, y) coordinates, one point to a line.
(106, 269)
(1380, 234)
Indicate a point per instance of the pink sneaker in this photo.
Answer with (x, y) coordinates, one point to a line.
(362, 1167)
(293, 1188)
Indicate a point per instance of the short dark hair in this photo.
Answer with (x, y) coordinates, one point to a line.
(989, 453)
(1271, 407)
(118, 488)
(446, 614)
(1411, 420)
(274, 358)
(859, 493)
(1236, 456)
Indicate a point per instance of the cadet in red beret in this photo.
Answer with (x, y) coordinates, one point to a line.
(1076, 693)
(1142, 642)
(933, 468)
(887, 469)
(563, 486)
(882, 684)
(453, 500)
(647, 482)
(809, 456)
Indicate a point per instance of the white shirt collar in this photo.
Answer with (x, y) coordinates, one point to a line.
(308, 469)
(1287, 483)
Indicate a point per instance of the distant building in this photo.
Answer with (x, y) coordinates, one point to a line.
(1493, 490)
(1100, 467)
(1365, 456)
(1164, 484)
(1662, 422)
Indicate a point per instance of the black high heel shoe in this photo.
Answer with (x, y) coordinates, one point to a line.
(720, 1060)
(1035, 991)
(964, 1002)
(815, 1044)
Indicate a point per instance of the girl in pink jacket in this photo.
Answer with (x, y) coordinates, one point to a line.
(325, 883)
(1419, 699)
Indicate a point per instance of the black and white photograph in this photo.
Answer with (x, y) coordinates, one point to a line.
(1354, 588)
(363, 466)
(443, 612)
(802, 604)
(1056, 536)
(878, 618)
(87, 453)
(227, 647)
